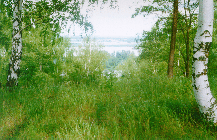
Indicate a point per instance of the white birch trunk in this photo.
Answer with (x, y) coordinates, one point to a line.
(14, 65)
(202, 43)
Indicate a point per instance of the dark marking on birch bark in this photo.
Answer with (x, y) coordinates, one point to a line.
(202, 73)
(205, 71)
(198, 75)
(206, 32)
(202, 58)
(203, 46)
(210, 110)
(207, 48)
(194, 59)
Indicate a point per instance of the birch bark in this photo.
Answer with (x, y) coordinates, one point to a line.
(202, 43)
(14, 65)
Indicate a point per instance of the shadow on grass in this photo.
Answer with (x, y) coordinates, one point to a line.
(188, 112)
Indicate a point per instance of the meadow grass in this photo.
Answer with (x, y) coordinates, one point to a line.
(153, 107)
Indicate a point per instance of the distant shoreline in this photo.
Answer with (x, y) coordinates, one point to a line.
(111, 45)
(107, 41)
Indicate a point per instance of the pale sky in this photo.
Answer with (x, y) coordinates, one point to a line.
(117, 22)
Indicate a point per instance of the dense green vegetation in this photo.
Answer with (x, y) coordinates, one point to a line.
(85, 104)
(67, 93)
(151, 106)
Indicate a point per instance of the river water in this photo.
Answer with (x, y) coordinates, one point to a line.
(111, 44)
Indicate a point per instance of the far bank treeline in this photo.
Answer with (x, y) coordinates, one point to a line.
(44, 57)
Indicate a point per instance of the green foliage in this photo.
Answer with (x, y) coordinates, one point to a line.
(116, 59)
(88, 64)
(213, 50)
(42, 55)
(54, 12)
(129, 68)
(163, 6)
(212, 61)
(5, 41)
(155, 44)
(3, 66)
(48, 57)
(5, 31)
(155, 49)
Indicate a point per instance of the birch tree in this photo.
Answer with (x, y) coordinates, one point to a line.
(14, 65)
(202, 43)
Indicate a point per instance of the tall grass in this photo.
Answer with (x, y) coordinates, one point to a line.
(150, 108)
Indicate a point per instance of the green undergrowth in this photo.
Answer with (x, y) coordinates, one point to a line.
(151, 107)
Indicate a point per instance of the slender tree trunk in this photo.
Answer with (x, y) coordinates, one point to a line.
(14, 65)
(173, 39)
(187, 64)
(188, 25)
(202, 43)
